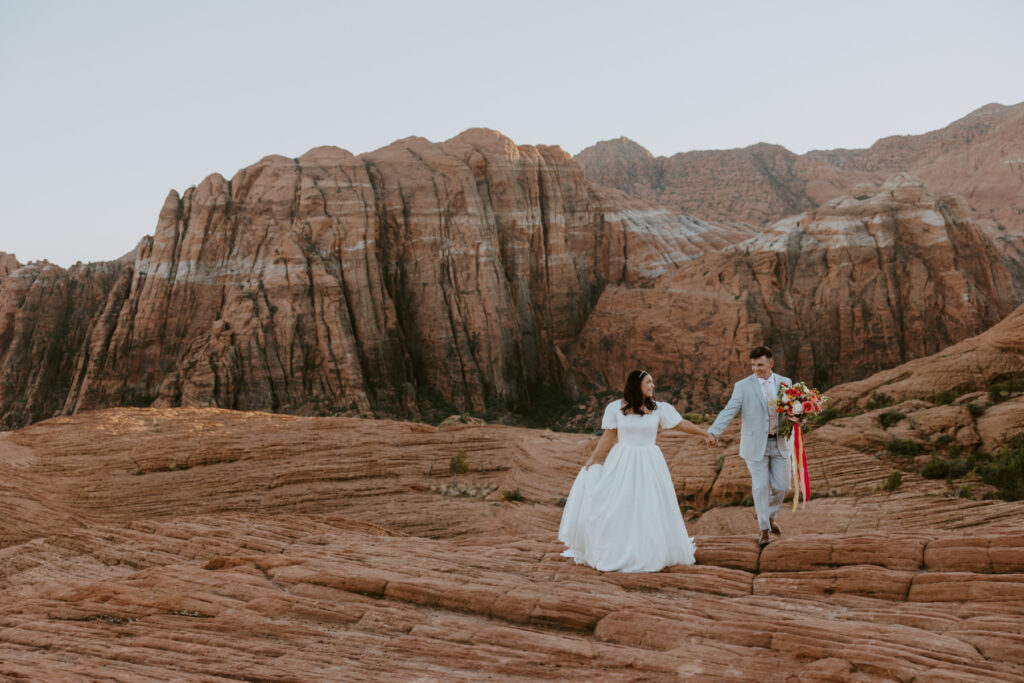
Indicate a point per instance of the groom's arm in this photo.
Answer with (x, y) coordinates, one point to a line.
(728, 412)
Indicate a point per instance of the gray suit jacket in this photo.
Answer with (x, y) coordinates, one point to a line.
(749, 401)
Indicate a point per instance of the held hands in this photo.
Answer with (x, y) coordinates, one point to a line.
(710, 439)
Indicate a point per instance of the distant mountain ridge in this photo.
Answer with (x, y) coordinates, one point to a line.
(979, 157)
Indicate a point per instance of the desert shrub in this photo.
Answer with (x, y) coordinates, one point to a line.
(879, 400)
(512, 494)
(936, 468)
(945, 397)
(903, 448)
(976, 409)
(458, 465)
(893, 481)
(945, 468)
(888, 419)
(831, 493)
(943, 440)
(1002, 390)
(1006, 470)
(964, 491)
(957, 468)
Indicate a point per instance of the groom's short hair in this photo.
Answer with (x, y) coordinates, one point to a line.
(761, 351)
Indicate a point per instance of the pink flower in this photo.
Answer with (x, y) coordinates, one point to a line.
(808, 407)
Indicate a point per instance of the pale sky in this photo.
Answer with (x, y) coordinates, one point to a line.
(107, 106)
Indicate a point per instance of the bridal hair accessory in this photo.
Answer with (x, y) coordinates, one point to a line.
(643, 373)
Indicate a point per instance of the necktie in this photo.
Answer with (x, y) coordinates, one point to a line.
(773, 417)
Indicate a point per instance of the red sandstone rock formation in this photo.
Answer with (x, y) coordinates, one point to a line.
(937, 394)
(980, 157)
(858, 285)
(974, 364)
(145, 544)
(464, 275)
(453, 272)
(46, 315)
(754, 185)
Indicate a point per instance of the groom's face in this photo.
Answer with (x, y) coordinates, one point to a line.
(762, 366)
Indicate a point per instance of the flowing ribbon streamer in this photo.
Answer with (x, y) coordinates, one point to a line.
(801, 480)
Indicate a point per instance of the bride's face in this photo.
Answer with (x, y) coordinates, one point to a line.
(647, 386)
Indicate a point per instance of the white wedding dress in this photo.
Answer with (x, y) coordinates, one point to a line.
(623, 516)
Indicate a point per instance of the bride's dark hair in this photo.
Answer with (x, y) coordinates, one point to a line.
(633, 399)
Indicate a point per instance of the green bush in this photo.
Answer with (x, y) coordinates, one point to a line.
(976, 409)
(942, 468)
(957, 468)
(512, 495)
(893, 481)
(977, 459)
(879, 400)
(943, 440)
(945, 397)
(937, 468)
(458, 464)
(1006, 470)
(888, 419)
(1002, 390)
(903, 448)
(964, 491)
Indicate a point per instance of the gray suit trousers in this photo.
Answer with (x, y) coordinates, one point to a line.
(769, 480)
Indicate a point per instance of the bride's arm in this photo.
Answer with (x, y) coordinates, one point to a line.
(600, 452)
(688, 427)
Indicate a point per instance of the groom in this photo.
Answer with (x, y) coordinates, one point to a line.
(761, 447)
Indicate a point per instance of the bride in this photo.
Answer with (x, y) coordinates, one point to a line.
(622, 515)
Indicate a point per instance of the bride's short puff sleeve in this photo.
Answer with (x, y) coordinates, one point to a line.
(611, 415)
(668, 416)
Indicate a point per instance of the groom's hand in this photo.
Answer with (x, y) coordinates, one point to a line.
(711, 439)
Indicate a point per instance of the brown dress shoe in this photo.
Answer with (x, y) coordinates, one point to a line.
(764, 539)
(776, 529)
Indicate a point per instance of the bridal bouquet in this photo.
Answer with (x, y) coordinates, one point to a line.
(796, 403)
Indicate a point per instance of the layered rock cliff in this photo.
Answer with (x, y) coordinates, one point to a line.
(858, 285)
(47, 315)
(451, 273)
(464, 275)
